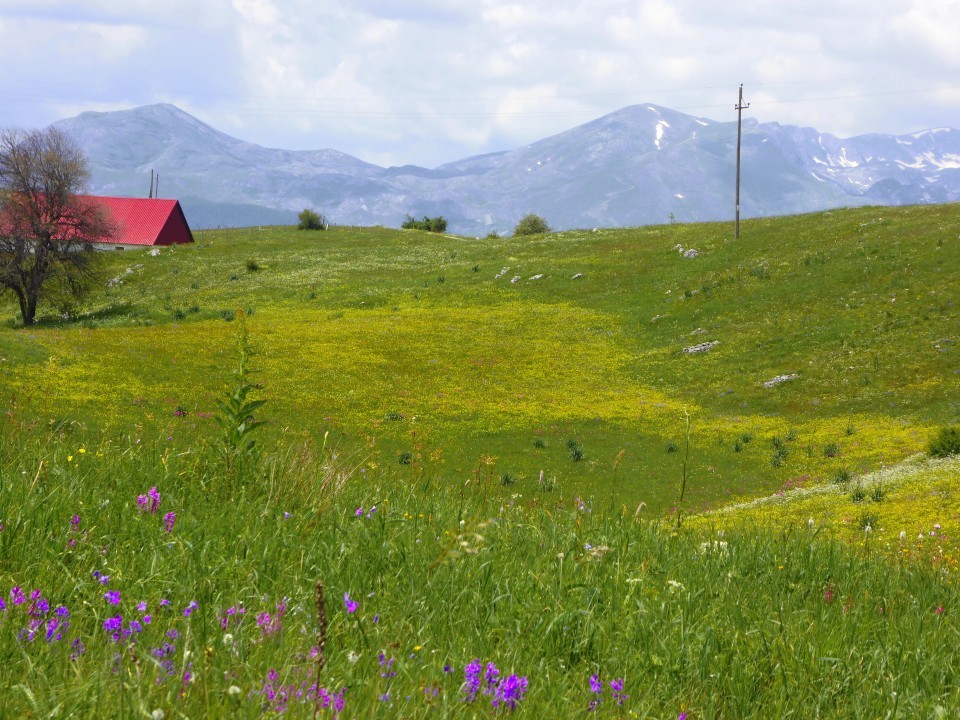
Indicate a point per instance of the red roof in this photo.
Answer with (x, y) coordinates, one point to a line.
(145, 221)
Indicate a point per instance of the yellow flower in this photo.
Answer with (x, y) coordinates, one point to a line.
(82, 450)
(69, 458)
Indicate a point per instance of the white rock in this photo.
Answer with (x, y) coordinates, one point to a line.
(702, 347)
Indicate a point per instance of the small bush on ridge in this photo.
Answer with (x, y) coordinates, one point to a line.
(946, 443)
(531, 225)
(310, 220)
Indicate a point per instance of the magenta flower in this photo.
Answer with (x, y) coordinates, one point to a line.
(17, 596)
(191, 606)
(168, 520)
(351, 605)
(112, 597)
(149, 502)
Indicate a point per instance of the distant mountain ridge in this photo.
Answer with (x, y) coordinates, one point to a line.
(641, 165)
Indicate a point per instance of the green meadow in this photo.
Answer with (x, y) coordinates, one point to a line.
(518, 487)
(419, 348)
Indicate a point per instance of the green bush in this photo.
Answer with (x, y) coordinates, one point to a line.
(946, 443)
(437, 224)
(531, 225)
(309, 220)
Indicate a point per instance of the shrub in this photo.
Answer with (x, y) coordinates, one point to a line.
(429, 224)
(253, 265)
(576, 451)
(946, 443)
(309, 220)
(531, 225)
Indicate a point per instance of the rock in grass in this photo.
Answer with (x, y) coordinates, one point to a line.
(773, 382)
(701, 347)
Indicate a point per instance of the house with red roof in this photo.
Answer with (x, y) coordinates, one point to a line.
(140, 222)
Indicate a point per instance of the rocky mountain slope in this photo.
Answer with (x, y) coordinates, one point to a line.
(640, 165)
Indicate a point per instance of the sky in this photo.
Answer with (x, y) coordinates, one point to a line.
(426, 82)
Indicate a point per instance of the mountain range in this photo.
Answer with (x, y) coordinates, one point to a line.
(640, 165)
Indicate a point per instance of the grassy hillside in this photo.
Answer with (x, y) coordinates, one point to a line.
(150, 567)
(421, 349)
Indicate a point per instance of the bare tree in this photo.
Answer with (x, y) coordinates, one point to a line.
(46, 227)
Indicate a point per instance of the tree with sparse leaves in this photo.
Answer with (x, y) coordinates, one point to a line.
(46, 227)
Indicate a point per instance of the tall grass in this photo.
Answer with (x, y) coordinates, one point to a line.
(548, 588)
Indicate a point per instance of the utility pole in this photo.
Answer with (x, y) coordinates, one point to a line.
(739, 108)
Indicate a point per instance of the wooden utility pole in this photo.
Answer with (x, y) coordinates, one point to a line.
(739, 108)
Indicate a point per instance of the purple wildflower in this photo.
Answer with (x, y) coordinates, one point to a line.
(191, 606)
(3, 605)
(386, 666)
(40, 606)
(100, 577)
(491, 675)
(17, 596)
(168, 520)
(75, 522)
(351, 605)
(142, 606)
(78, 648)
(596, 689)
(471, 680)
(112, 597)
(616, 685)
(154, 500)
(114, 626)
(510, 691)
(359, 511)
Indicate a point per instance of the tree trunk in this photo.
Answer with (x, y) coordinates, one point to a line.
(28, 308)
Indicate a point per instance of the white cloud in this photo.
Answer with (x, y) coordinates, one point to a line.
(429, 81)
